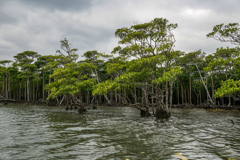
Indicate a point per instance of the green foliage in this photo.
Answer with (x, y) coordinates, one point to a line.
(72, 79)
(66, 47)
(106, 86)
(226, 33)
(169, 76)
(25, 60)
(144, 39)
(228, 87)
(4, 62)
(143, 60)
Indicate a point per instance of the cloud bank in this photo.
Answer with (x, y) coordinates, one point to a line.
(90, 24)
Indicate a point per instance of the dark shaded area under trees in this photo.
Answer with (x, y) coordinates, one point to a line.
(144, 71)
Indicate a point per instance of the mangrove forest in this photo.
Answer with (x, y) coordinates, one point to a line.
(144, 71)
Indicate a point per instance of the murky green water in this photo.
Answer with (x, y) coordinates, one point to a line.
(40, 132)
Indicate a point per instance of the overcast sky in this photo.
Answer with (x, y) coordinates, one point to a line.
(39, 25)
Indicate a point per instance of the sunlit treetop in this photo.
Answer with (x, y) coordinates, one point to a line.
(144, 39)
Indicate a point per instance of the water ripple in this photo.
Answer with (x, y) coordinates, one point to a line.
(39, 132)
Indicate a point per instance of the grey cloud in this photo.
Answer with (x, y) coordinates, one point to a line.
(6, 19)
(220, 6)
(39, 25)
(64, 5)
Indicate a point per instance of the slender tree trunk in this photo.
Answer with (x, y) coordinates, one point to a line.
(37, 96)
(61, 101)
(171, 94)
(190, 86)
(166, 96)
(145, 96)
(139, 95)
(3, 87)
(208, 95)
(20, 88)
(116, 97)
(125, 95)
(100, 99)
(9, 86)
(185, 95)
(200, 99)
(214, 100)
(49, 81)
(142, 97)
(33, 91)
(93, 99)
(25, 91)
(6, 90)
(43, 84)
(106, 97)
(111, 97)
(120, 97)
(135, 95)
(182, 93)
(28, 89)
(177, 92)
(229, 100)
(87, 97)
(162, 92)
(157, 96)
(152, 94)
(145, 108)
(229, 97)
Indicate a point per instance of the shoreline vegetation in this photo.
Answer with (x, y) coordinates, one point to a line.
(144, 72)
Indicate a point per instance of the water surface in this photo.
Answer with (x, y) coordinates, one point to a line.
(42, 132)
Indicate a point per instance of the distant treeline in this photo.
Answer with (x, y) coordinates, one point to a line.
(143, 71)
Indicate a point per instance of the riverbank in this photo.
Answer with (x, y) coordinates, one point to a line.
(207, 107)
(186, 106)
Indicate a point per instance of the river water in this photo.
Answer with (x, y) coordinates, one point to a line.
(117, 133)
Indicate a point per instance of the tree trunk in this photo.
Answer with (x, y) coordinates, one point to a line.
(111, 97)
(43, 84)
(152, 94)
(177, 93)
(20, 88)
(28, 89)
(49, 81)
(32, 93)
(208, 95)
(116, 97)
(142, 97)
(107, 99)
(25, 91)
(214, 100)
(87, 98)
(166, 96)
(6, 90)
(3, 87)
(171, 94)
(182, 93)
(162, 113)
(229, 100)
(190, 86)
(162, 97)
(36, 94)
(9, 86)
(145, 108)
(200, 98)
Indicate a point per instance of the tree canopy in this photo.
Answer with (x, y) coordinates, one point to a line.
(144, 71)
